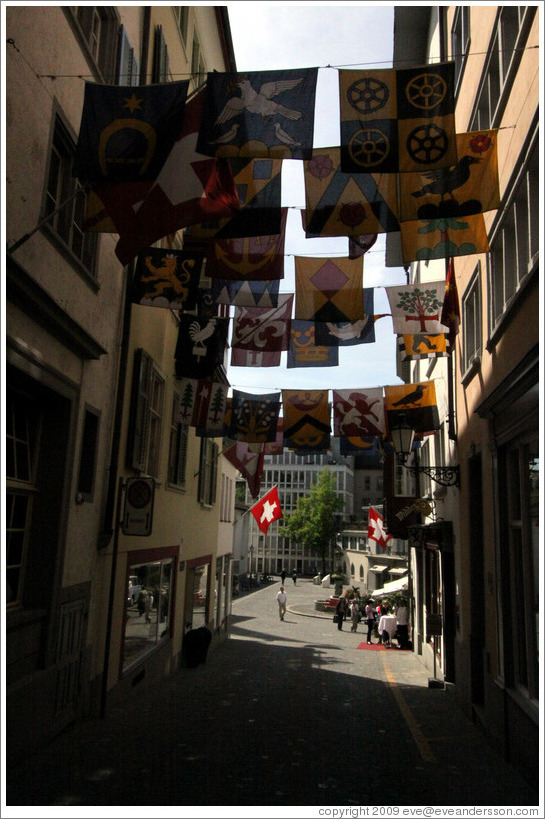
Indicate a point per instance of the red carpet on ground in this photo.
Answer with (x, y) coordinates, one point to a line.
(378, 647)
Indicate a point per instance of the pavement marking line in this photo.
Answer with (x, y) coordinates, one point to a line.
(421, 742)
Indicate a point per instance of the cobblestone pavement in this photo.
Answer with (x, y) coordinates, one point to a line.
(285, 713)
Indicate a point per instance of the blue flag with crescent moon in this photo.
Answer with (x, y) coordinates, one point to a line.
(259, 114)
(126, 133)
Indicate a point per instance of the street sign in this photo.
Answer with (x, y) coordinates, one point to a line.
(138, 511)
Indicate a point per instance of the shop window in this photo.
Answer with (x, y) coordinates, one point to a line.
(65, 202)
(148, 609)
(521, 465)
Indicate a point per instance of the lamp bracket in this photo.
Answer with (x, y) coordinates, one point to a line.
(443, 475)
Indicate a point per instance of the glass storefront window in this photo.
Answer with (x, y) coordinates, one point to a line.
(147, 610)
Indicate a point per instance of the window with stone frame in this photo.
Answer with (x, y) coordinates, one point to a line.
(64, 202)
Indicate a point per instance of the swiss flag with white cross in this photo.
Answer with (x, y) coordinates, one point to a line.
(375, 529)
(268, 509)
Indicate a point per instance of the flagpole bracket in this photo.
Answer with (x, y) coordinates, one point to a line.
(443, 475)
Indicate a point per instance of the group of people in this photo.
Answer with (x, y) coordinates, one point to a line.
(352, 608)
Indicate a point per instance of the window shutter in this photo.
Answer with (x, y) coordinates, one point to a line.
(139, 424)
(127, 63)
(214, 452)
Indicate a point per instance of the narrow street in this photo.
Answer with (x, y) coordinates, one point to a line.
(287, 713)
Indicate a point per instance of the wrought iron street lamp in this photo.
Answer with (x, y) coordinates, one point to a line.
(402, 438)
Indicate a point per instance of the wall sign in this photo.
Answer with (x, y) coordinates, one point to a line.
(138, 511)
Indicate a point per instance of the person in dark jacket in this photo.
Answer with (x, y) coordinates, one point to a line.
(341, 610)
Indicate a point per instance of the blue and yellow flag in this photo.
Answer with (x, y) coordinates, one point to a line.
(303, 350)
(259, 114)
(443, 238)
(469, 187)
(347, 204)
(397, 120)
(126, 133)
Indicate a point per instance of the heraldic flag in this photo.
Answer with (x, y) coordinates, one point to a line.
(417, 307)
(347, 204)
(127, 133)
(267, 510)
(260, 113)
(190, 189)
(469, 187)
(397, 120)
(167, 278)
(255, 258)
(328, 289)
(248, 462)
(451, 305)
(375, 529)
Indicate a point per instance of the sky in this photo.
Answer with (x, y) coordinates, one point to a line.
(328, 36)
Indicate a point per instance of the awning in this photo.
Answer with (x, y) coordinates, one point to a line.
(378, 568)
(389, 588)
(399, 571)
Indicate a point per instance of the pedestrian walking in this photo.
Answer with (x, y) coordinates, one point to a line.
(282, 598)
(147, 607)
(370, 615)
(283, 576)
(355, 613)
(294, 578)
(341, 610)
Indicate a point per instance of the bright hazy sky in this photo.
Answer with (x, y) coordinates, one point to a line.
(328, 36)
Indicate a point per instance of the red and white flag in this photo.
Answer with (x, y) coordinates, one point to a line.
(190, 188)
(375, 529)
(267, 510)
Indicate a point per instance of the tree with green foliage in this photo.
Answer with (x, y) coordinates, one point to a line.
(314, 522)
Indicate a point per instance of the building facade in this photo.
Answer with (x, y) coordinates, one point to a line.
(492, 568)
(82, 364)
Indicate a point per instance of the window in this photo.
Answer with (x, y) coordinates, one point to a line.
(460, 42)
(507, 44)
(98, 26)
(87, 464)
(197, 63)
(128, 73)
(471, 321)
(146, 416)
(65, 204)
(514, 248)
(23, 422)
(160, 58)
(226, 499)
(177, 453)
(148, 606)
(182, 18)
(208, 466)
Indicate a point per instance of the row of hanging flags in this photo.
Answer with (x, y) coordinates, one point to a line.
(154, 162)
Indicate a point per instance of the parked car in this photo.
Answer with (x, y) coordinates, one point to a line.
(135, 587)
